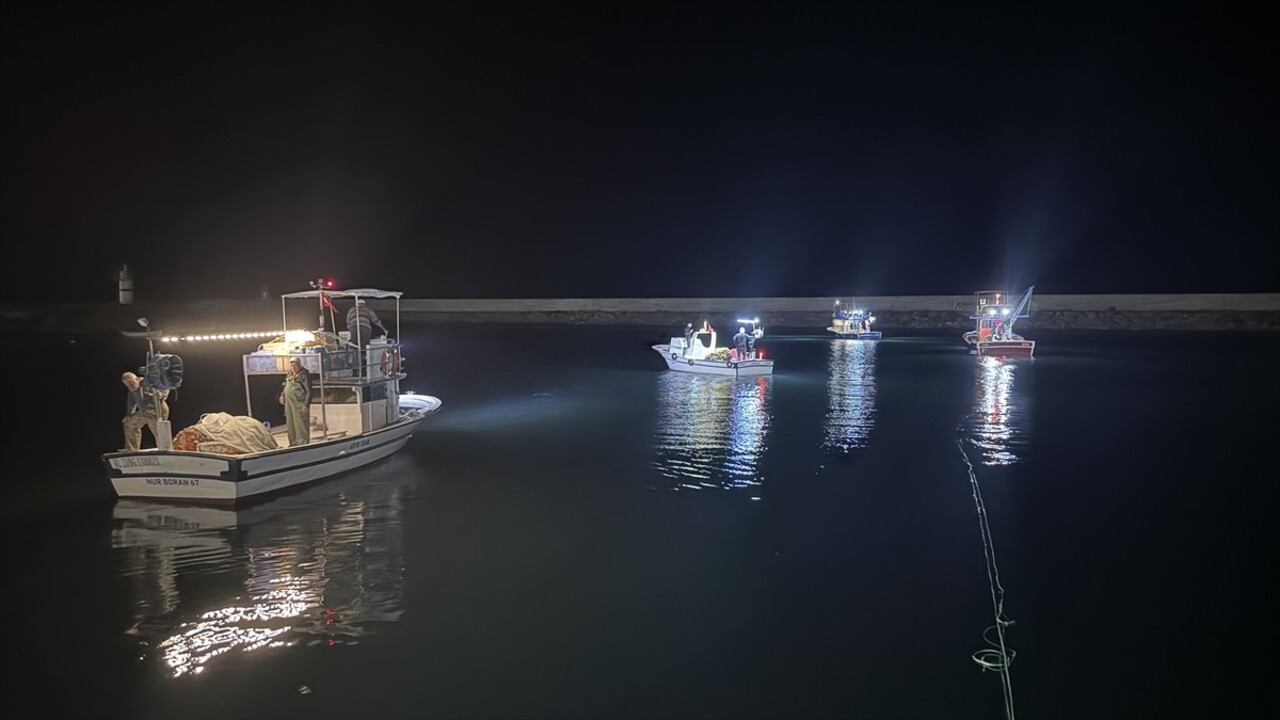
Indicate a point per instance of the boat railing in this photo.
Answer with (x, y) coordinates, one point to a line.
(336, 363)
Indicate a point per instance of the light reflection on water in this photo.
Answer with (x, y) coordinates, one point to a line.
(998, 424)
(710, 431)
(312, 568)
(851, 395)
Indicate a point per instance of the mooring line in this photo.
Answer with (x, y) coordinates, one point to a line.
(998, 657)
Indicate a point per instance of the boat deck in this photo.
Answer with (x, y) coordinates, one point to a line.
(281, 434)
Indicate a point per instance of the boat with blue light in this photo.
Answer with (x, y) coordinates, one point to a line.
(853, 322)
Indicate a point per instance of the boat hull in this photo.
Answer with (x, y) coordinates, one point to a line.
(208, 478)
(1006, 348)
(1015, 347)
(872, 335)
(731, 368)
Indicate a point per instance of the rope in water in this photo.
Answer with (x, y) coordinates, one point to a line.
(998, 657)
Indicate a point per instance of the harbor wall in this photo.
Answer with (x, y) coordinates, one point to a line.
(1206, 312)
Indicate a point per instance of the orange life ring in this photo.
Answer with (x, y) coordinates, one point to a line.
(390, 361)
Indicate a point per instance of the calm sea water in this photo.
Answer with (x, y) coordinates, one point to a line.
(582, 534)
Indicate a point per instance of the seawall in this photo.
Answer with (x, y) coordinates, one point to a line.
(1200, 312)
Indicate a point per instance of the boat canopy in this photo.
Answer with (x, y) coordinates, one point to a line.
(354, 293)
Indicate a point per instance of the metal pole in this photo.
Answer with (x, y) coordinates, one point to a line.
(164, 432)
(244, 370)
(324, 407)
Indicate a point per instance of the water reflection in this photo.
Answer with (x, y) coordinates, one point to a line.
(851, 395)
(998, 424)
(710, 431)
(317, 567)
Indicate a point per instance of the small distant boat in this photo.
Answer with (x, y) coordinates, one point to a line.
(698, 353)
(853, 322)
(995, 314)
(359, 415)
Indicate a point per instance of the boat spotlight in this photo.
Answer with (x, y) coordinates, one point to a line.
(145, 323)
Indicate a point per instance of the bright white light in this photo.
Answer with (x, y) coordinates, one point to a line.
(293, 336)
(1004, 311)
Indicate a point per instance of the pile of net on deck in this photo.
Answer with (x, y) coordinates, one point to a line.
(225, 434)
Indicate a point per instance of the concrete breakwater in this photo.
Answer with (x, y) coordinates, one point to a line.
(1208, 311)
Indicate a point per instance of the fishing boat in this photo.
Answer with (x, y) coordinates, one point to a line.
(853, 322)
(697, 352)
(358, 415)
(995, 314)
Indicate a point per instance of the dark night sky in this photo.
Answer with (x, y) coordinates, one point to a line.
(636, 149)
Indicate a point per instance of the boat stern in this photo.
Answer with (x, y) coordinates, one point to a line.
(166, 475)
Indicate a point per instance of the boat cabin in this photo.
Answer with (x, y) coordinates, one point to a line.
(850, 320)
(995, 313)
(354, 388)
(698, 345)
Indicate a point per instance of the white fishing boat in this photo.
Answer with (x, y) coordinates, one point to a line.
(358, 415)
(995, 314)
(697, 352)
(853, 322)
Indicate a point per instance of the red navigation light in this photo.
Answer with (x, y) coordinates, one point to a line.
(328, 283)
(761, 352)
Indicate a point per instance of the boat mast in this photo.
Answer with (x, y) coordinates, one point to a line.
(1022, 303)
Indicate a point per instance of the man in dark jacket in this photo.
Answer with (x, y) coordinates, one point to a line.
(740, 342)
(361, 319)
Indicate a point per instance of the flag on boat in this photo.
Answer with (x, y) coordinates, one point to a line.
(326, 302)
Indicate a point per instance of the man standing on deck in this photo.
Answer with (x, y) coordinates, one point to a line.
(296, 399)
(360, 322)
(140, 409)
(740, 342)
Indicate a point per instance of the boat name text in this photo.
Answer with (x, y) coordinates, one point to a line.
(134, 462)
(190, 482)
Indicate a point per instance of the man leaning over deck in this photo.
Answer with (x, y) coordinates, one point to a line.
(140, 409)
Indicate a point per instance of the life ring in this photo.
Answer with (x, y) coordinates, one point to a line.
(690, 362)
(390, 361)
(674, 357)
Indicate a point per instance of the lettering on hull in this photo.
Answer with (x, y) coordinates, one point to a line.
(127, 462)
(186, 482)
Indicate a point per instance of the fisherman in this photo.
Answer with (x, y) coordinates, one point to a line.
(140, 409)
(296, 399)
(360, 322)
(688, 335)
(741, 341)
